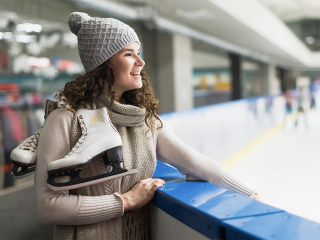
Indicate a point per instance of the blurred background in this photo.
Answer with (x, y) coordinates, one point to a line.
(263, 53)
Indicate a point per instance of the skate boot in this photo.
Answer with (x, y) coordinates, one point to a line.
(24, 157)
(99, 139)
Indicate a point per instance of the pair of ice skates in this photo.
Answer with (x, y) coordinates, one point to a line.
(99, 139)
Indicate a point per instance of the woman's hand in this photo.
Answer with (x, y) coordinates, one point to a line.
(141, 193)
(256, 197)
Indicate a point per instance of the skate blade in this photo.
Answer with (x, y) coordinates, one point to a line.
(84, 184)
(14, 177)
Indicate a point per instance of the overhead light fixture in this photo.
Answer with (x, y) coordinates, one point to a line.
(26, 38)
(7, 35)
(310, 40)
(195, 14)
(28, 27)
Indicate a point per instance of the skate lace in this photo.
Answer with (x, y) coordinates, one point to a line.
(32, 143)
(63, 103)
(84, 131)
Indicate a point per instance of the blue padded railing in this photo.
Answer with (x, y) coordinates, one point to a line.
(218, 213)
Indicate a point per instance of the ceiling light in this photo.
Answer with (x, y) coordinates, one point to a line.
(26, 38)
(310, 40)
(7, 35)
(28, 27)
(195, 14)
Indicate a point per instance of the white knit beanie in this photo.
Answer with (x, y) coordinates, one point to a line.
(99, 38)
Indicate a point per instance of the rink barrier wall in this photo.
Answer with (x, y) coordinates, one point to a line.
(214, 211)
(221, 214)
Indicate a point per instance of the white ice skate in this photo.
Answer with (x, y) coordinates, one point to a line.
(99, 139)
(24, 157)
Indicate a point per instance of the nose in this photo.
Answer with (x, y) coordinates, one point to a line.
(140, 62)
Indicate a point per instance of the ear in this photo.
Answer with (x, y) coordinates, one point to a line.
(110, 64)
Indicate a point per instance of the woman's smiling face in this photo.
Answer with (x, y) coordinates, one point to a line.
(127, 65)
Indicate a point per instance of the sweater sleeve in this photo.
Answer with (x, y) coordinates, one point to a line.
(58, 207)
(170, 149)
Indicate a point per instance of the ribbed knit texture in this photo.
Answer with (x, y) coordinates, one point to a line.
(139, 152)
(89, 207)
(99, 38)
(228, 182)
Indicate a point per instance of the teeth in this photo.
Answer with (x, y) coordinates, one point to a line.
(135, 73)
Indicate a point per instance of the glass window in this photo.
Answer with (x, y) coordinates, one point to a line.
(251, 78)
(211, 75)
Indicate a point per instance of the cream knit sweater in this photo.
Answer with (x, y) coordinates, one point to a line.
(96, 212)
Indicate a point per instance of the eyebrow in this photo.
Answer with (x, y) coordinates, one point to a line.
(130, 50)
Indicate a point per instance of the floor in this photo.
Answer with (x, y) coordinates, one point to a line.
(284, 168)
(19, 219)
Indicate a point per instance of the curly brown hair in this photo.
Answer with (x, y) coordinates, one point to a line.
(86, 88)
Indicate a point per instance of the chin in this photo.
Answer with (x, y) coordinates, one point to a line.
(135, 87)
(138, 85)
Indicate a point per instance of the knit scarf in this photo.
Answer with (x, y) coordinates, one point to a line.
(139, 152)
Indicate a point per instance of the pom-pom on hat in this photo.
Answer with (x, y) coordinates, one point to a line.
(99, 38)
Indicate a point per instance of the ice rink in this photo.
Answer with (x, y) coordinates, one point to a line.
(269, 150)
(284, 167)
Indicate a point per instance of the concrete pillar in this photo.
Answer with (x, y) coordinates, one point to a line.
(236, 76)
(148, 47)
(270, 83)
(283, 79)
(174, 72)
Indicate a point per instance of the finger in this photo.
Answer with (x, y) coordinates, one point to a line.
(158, 179)
(145, 182)
(155, 180)
(160, 182)
(157, 185)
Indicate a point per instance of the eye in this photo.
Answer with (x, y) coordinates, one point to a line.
(129, 54)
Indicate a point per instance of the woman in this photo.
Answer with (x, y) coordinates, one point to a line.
(114, 78)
